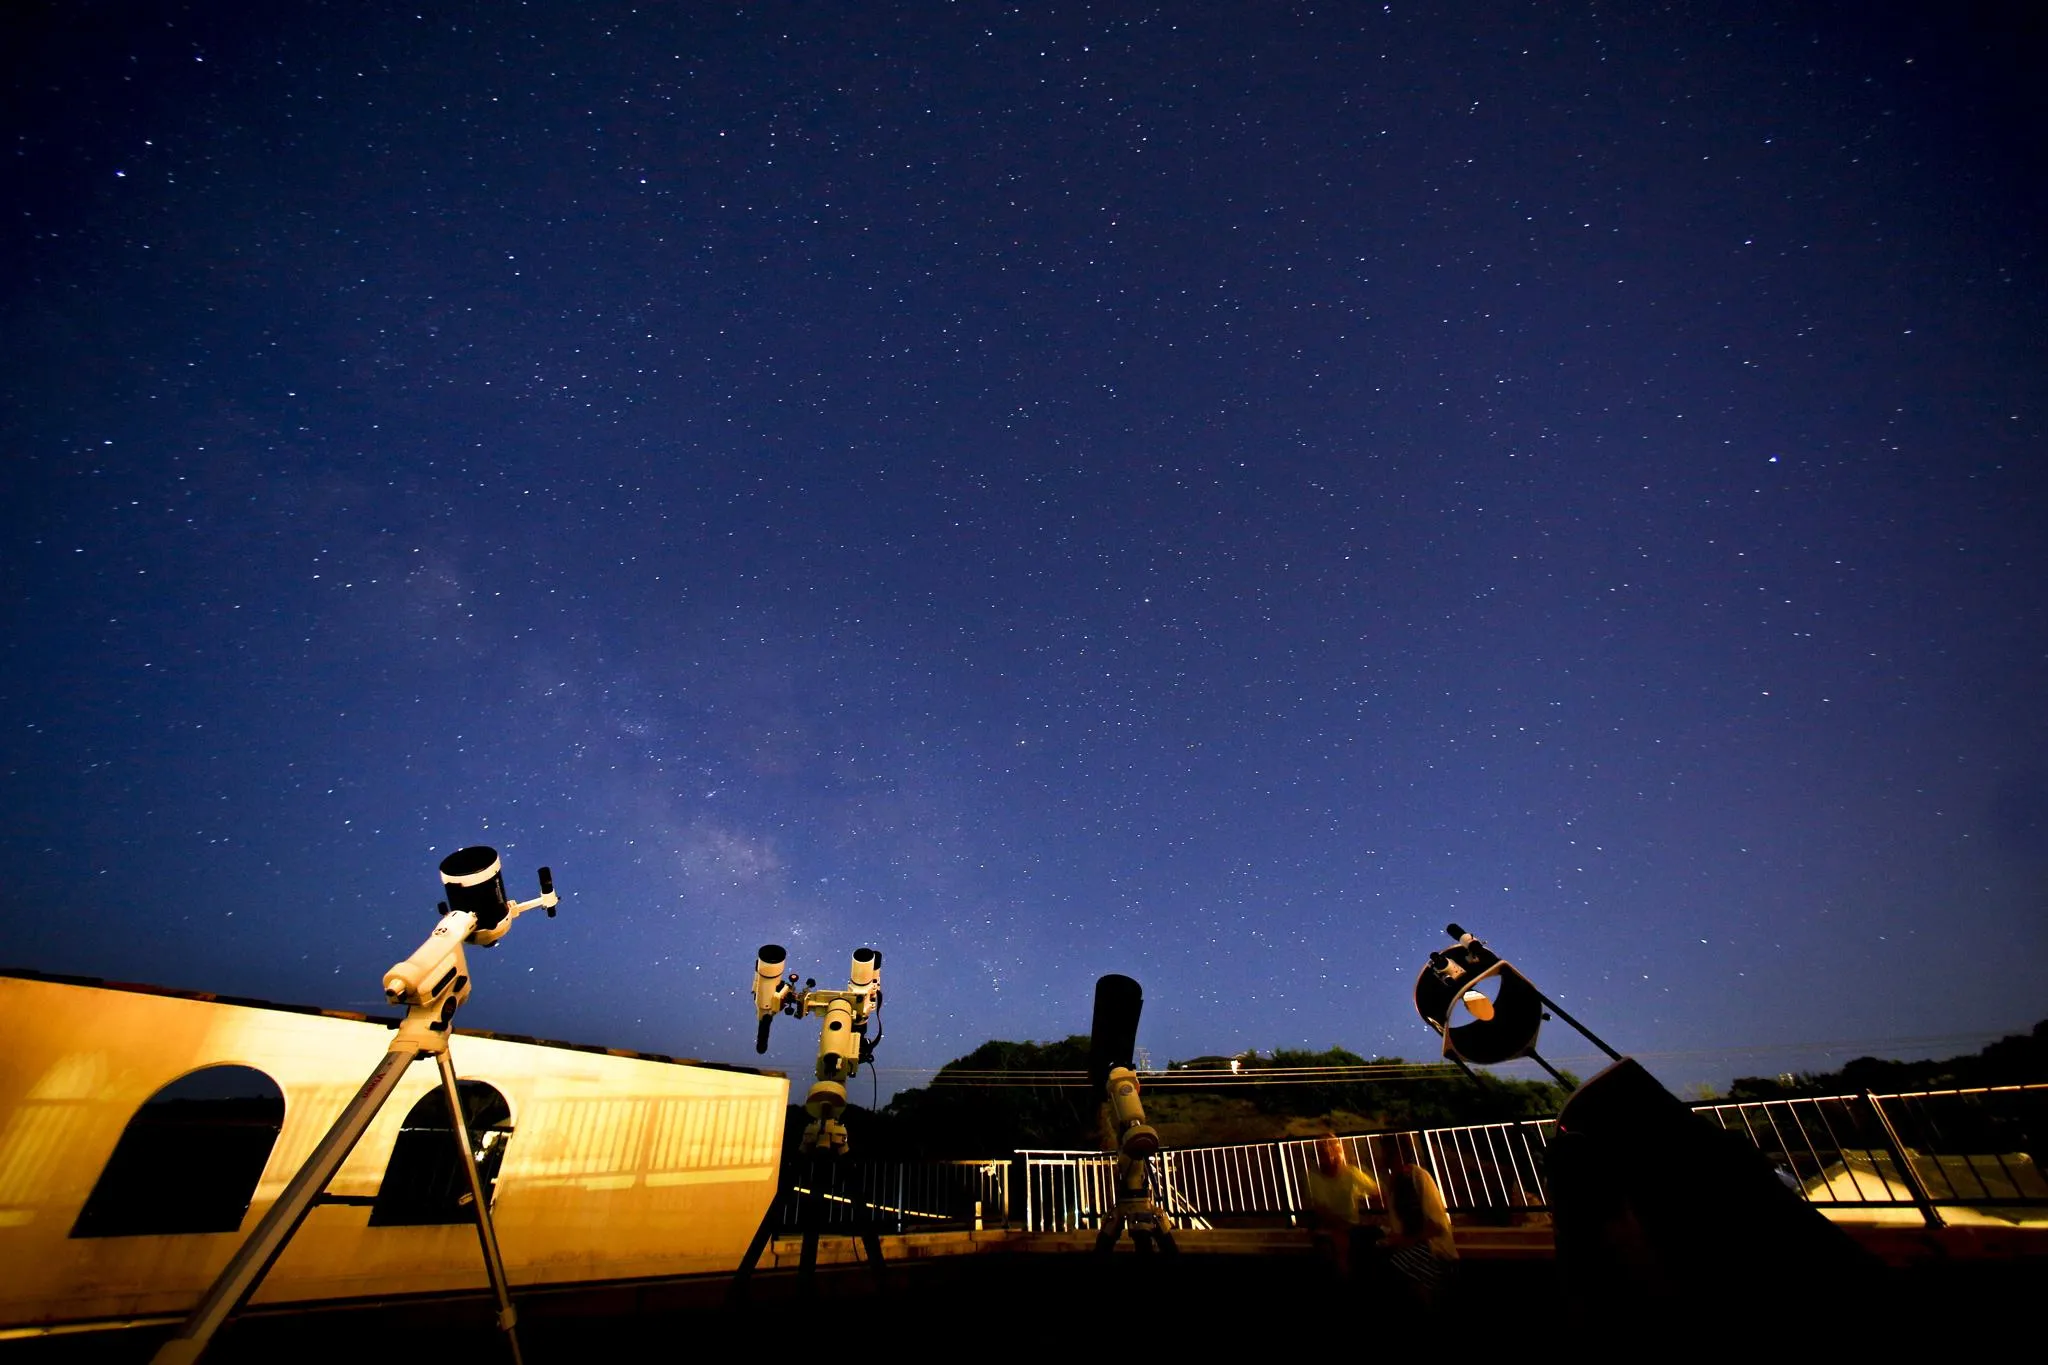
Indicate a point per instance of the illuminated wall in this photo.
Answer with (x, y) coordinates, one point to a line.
(618, 1165)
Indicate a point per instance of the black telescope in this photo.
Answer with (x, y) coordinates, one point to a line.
(1499, 1028)
(1113, 1036)
(474, 879)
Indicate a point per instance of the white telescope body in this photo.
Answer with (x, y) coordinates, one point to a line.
(867, 967)
(838, 1043)
(1134, 1137)
(770, 990)
(435, 965)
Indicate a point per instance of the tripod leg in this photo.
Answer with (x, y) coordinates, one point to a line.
(809, 1210)
(238, 1280)
(486, 1232)
(770, 1221)
(871, 1242)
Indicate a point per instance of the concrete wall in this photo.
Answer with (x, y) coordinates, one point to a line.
(619, 1165)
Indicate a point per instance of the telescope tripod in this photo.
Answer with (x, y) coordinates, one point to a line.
(424, 1032)
(811, 1198)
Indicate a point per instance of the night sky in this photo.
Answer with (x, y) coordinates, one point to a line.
(1211, 492)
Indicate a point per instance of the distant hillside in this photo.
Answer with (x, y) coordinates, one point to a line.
(959, 1116)
(971, 1110)
(2017, 1059)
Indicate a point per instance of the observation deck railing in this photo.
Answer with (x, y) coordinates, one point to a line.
(902, 1196)
(1922, 1150)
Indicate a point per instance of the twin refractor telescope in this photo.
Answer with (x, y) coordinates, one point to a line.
(843, 1042)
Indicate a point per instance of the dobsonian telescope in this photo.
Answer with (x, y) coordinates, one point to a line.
(843, 1042)
(432, 984)
(1500, 1027)
(1112, 1044)
(1655, 1207)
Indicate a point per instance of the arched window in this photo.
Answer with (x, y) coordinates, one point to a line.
(190, 1158)
(425, 1182)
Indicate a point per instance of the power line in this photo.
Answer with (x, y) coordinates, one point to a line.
(1179, 1078)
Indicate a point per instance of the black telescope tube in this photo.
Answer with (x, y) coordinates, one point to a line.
(486, 898)
(1113, 1037)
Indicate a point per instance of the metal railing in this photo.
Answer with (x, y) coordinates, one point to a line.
(902, 1196)
(1924, 1150)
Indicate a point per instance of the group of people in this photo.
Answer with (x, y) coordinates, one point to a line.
(1407, 1249)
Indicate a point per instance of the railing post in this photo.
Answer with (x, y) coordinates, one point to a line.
(1289, 1203)
(1025, 1158)
(1898, 1150)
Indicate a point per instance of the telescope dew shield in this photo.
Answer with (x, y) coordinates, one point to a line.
(475, 879)
(1113, 1035)
(867, 964)
(768, 987)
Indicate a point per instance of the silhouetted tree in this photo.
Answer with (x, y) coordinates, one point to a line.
(2017, 1059)
(959, 1116)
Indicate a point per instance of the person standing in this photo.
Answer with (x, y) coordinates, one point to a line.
(1419, 1246)
(1339, 1198)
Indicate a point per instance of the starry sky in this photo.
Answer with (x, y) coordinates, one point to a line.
(1205, 491)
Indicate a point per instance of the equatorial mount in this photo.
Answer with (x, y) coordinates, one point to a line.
(843, 1042)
